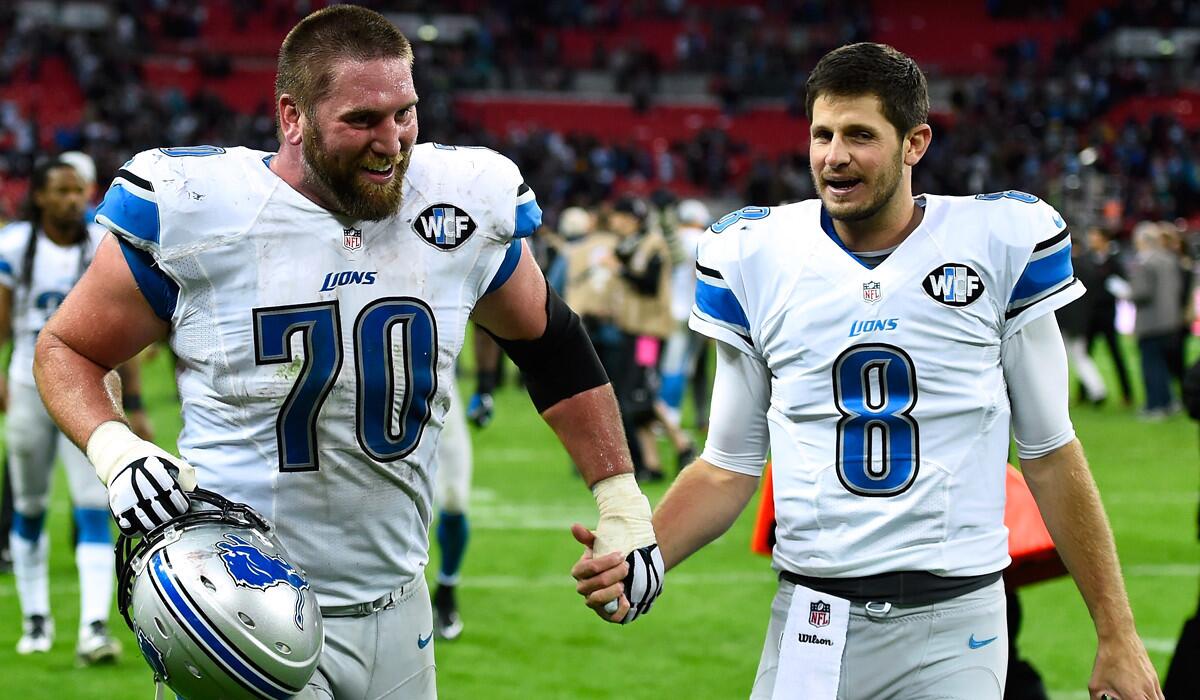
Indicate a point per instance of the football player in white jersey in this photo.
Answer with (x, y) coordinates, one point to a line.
(41, 259)
(452, 491)
(316, 299)
(881, 346)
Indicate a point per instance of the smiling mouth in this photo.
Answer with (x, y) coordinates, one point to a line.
(842, 186)
(382, 172)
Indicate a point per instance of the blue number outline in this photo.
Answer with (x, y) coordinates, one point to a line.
(1015, 195)
(302, 385)
(191, 151)
(747, 213)
(420, 386)
(852, 474)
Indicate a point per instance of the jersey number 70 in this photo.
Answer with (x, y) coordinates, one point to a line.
(374, 330)
(878, 443)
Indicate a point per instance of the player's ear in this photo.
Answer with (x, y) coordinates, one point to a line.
(916, 143)
(291, 126)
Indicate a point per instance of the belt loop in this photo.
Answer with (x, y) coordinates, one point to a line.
(389, 601)
(878, 609)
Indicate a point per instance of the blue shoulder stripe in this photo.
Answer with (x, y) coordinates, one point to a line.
(129, 213)
(529, 218)
(512, 256)
(720, 304)
(1042, 274)
(160, 291)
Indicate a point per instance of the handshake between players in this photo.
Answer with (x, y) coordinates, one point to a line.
(620, 574)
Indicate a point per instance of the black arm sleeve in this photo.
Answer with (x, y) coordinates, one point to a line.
(559, 364)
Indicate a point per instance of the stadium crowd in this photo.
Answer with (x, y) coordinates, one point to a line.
(1046, 118)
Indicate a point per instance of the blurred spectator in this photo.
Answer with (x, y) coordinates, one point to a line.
(1173, 243)
(1156, 283)
(684, 346)
(1073, 320)
(589, 292)
(642, 304)
(573, 224)
(86, 167)
(1102, 262)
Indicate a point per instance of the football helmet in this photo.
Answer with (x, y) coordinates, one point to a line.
(217, 608)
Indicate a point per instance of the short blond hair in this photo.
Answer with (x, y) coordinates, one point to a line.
(318, 41)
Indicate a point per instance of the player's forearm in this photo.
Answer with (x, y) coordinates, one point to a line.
(1067, 496)
(700, 506)
(589, 425)
(76, 391)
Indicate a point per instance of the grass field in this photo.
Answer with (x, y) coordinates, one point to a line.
(528, 634)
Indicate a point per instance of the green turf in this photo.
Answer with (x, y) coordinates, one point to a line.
(528, 634)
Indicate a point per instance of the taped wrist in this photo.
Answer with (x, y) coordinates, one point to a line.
(624, 516)
(113, 446)
(559, 364)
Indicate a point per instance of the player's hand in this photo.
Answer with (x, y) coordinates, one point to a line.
(644, 583)
(600, 580)
(147, 493)
(625, 528)
(640, 578)
(146, 485)
(480, 410)
(1123, 671)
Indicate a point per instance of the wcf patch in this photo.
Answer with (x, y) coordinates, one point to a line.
(444, 226)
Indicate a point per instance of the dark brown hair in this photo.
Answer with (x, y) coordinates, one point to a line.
(310, 50)
(873, 69)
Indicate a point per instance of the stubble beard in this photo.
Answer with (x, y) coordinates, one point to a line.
(888, 181)
(351, 194)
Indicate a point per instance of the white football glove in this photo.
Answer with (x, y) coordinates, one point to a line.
(146, 486)
(644, 582)
(625, 527)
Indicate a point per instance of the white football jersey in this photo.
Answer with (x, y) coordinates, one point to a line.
(315, 351)
(55, 271)
(889, 415)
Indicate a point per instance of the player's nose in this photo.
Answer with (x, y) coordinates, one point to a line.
(837, 153)
(388, 139)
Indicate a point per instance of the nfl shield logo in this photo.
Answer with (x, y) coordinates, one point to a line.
(871, 293)
(351, 238)
(818, 613)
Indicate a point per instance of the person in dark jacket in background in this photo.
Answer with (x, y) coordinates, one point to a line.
(1073, 321)
(1101, 258)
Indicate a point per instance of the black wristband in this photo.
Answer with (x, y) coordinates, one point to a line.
(131, 402)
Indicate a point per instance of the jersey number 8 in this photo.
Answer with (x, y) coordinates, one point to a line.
(878, 443)
(374, 331)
